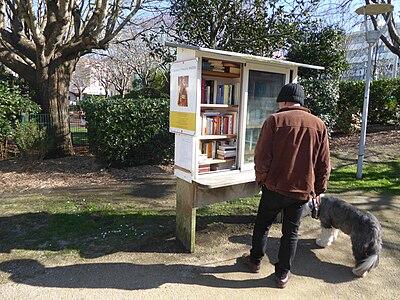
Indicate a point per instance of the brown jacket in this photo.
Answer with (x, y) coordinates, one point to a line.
(292, 154)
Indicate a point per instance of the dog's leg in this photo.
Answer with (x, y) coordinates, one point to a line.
(326, 237)
(335, 234)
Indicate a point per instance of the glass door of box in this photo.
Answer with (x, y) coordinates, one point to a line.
(263, 89)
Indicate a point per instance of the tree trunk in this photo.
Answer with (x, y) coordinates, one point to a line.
(52, 93)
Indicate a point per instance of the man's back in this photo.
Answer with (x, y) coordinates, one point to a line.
(292, 164)
(292, 154)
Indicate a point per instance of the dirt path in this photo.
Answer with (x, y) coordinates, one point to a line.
(159, 272)
(83, 172)
(159, 269)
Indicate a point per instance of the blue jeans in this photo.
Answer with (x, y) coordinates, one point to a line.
(271, 204)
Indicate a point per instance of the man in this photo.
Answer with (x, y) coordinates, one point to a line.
(292, 165)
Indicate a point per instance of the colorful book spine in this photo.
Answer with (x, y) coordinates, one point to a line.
(227, 94)
(232, 98)
(219, 124)
(204, 168)
(209, 91)
(203, 91)
(220, 94)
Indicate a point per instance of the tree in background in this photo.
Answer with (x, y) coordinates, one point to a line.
(253, 27)
(81, 76)
(42, 41)
(393, 42)
(324, 47)
(342, 13)
(120, 73)
(102, 73)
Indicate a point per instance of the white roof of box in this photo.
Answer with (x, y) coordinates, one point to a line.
(246, 57)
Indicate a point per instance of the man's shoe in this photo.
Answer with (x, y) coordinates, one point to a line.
(281, 281)
(252, 267)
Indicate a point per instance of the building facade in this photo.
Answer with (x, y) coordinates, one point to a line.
(385, 64)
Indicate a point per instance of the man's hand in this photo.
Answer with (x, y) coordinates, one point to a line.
(315, 202)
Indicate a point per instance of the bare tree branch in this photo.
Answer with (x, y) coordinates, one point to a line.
(394, 43)
(13, 62)
(22, 45)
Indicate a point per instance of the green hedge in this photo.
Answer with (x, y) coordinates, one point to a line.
(322, 98)
(384, 103)
(129, 131)
(12, 105)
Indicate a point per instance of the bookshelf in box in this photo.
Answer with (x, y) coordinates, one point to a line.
(210, 91)
(219, 113)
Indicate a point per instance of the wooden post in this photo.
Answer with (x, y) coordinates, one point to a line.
(185, 214)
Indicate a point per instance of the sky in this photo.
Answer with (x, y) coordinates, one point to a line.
(346, 18)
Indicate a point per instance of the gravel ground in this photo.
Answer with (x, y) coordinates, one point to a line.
(161, 272)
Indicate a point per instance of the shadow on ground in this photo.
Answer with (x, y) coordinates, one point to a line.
(131, 276)
(96, 234)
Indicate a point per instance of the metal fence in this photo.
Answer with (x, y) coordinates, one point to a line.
(43, 120)
(77, 127)
(76, 121)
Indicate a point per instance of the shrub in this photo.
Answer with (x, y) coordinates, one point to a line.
(30, 139)
(12, 105)
(384, 103)
(324, 46)
(129, 131)
(321, 98)
(349, 106)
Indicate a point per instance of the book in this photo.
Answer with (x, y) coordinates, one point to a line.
(227, 94)
(229, 164)
(232, 98)
(226, 148)
(215, 123)
(204, 168)
(220, 94)
(203, 91)
(233, 123)
(225, 154)
(231, 64)
(209, 149)
(233, 70)
(209, 92)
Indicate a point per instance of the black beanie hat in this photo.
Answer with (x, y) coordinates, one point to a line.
(291, 92)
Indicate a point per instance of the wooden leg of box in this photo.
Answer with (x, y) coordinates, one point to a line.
(185, 214)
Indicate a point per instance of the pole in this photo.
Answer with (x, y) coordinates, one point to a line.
(361, 145)
(396, 61)
(361, 149)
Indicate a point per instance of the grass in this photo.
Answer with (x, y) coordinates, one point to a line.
(379, 177)
(95, 223)
(91, 227)
(75, 129)
(79, 138)
(244, 206)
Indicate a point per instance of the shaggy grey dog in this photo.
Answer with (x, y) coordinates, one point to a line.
(362, 227)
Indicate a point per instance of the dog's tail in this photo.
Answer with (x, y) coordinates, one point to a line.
(372, 249)
(369, 263)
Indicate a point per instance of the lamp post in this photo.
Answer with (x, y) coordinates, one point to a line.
(372, 37)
